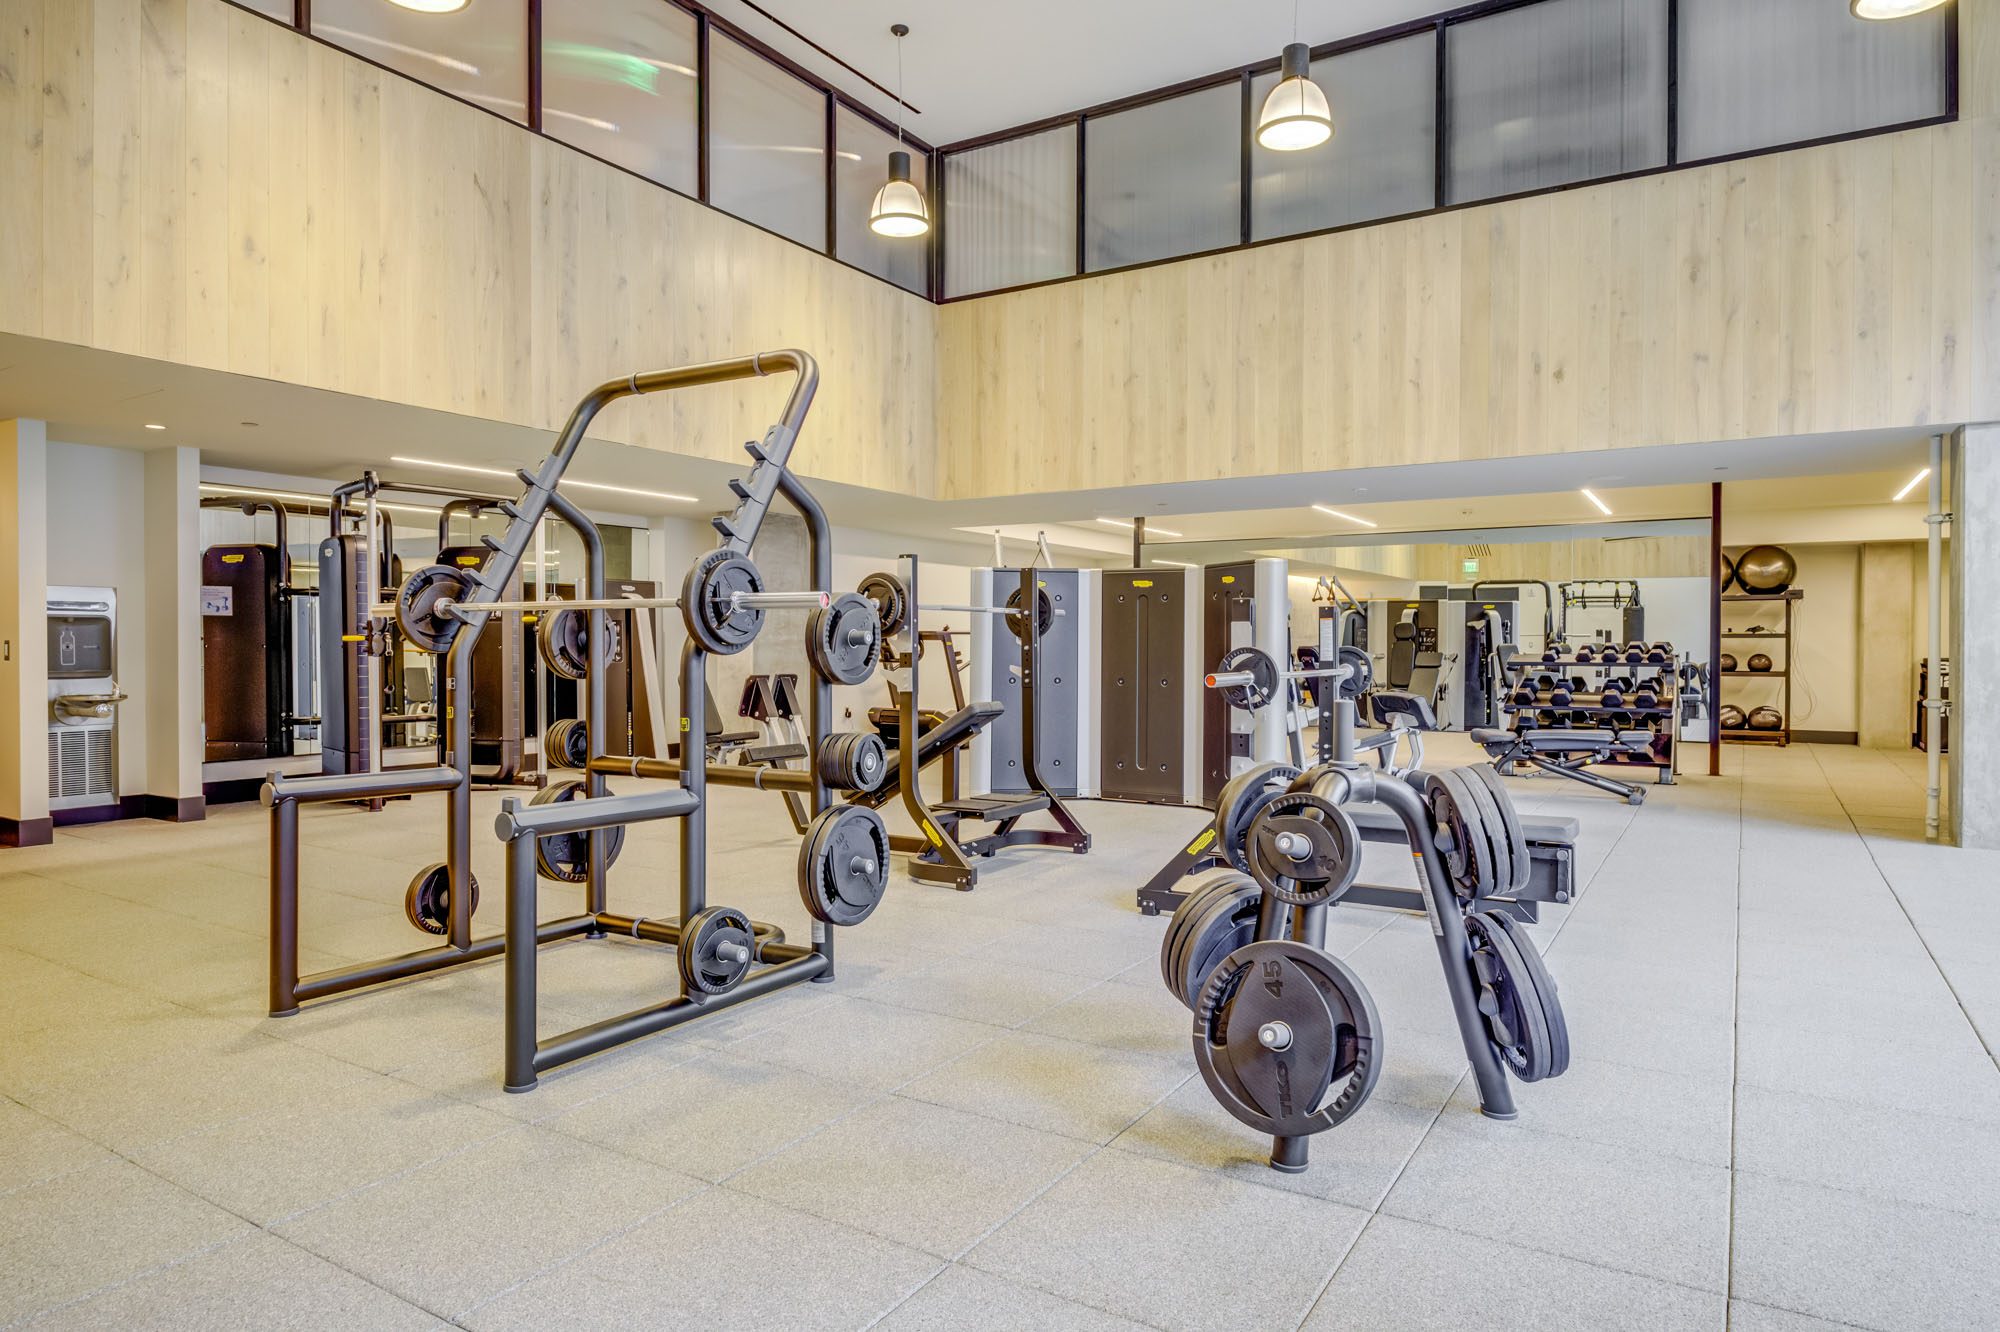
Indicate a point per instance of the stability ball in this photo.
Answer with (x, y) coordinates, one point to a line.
(1760, 662)
(1731, 717)
(1766, 719)
(1728, 573)
(1729, 661)
(1765, 570)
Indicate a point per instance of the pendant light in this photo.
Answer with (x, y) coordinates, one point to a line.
(1295, 113)
(1890, 9)
(432, 6)
(899, 208)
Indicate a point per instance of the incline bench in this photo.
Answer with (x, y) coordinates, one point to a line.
(1566, 753)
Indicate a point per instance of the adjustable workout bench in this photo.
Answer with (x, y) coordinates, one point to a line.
(1566, 753)
(943, 739)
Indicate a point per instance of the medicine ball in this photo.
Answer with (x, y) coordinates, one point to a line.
(1729, 661)
(1766, 569)
(1731, 717)
(1760, 662)
(1766, 719)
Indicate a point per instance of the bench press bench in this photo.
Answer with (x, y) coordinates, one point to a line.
(1566, 753)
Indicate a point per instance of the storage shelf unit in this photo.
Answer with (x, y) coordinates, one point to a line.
(1658, 720)
(1788, 599)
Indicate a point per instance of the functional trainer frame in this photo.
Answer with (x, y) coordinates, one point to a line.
(518, 825)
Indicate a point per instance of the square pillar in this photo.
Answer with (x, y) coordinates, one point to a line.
(1888, 631)
(173, 634)
(24, 678)
(1974, 645)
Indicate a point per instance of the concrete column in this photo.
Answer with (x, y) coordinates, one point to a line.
(1886, 628)
(173, 634)
(1974, 646)
(24, 578)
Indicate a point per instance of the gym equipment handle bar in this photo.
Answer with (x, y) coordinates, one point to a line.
(1231, 679)
(981, 610)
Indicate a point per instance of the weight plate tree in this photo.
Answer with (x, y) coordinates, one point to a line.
(1287, 1038)
(716, 948)
(844, 864)
(565, 857)
(427, 628)
(708, 604)
(427, 903)
(844, 641)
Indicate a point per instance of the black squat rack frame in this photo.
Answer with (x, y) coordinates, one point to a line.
(722, 603)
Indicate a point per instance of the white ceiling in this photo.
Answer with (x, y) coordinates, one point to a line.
(974, 66)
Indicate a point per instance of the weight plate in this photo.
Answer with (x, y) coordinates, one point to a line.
(1517, 841)
(1220, 884)
(424, 626)
(565, 857)
(844, 864)
(566, 743)
(1466, 852)
(713, 619)
(563, 639)
(717, 947)
(1263, 685)
(428, 901)
(892, 600)
(1045, 614)
(1507, 999)
(1545, 989)
(1196, 888)
(1246, 793)
(844, 640)
(1491, 826)
(1363, 678)
(1303, 850)
(1226, 922)
(853, 760)
(1287, 1038)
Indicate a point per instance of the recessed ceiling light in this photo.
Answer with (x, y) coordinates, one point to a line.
(310, 499)
(566, 481)
(154, 425)
(1912, 485)
(1178, 564)
(1602, 507)
(1890, 9)
(1150, 529)
(1345, 517)
(432, 6)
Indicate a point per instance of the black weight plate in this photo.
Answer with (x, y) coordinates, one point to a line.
(563, 639)
(1517, 841)
(844, 864)
(716, 950)
(832, 634)
(417, 614)
(1244, 794)
(1263, 670)
(1507, 999)
(1464, 849)
(1331, 1061)
(1045, 614)
(1363, 678)
(1545, 989)
(1228, 923)
(1194, 890)
(1491, 826)
(565, 857)
(1333, 849)
(853, 760)
(892, 600)
(566, 743)
(427, 903)
(713, 621)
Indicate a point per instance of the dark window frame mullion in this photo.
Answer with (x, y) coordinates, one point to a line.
(701, 116)
(1440, 129)
(1082, 197)
(934, 181)
(1249, 143)
(1673, 82)
(302, 15)
(832, 166)
(535, 66)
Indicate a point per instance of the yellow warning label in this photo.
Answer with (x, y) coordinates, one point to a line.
(232, 559)
(354, 638)
(1199, 844)
(937, 838)
(1142, 582)
(472, 561)
(684, 725)
(1229, 578)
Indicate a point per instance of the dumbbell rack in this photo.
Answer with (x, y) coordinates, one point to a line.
(1743, 734)
(1659, 718)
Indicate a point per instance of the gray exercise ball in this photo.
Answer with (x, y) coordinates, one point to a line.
(1760, 662)
(1766, 719)
(1764, 570)
(1731, 717)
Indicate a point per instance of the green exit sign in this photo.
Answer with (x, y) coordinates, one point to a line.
(1472, 568)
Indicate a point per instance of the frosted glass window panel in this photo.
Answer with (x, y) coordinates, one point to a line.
(619, 81)
(861, 166)
(767, 143)
(1784, 71)
(1164, 179)
(280, 10)
(1556, 92)
(479, 53)
(1010, 213)
(1382, 159)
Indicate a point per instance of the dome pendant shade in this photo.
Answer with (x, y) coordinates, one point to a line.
(1890, 9)
(432, 6)
(1295, 113)
(899, 208)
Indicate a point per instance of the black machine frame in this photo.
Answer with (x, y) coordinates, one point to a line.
(527, 1055)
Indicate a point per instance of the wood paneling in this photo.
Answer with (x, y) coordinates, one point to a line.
(182, 180)
(1846, 287)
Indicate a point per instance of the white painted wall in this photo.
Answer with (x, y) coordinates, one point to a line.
(1825, 655)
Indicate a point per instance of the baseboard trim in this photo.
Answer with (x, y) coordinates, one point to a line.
(176, 809)
(1827, 737)
(127, 807)
(27, 832)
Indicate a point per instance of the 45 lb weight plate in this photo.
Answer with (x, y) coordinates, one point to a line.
(1045, 614)
(716, 950)
(844, 864)
(1516, 997)
(708, 607)
(563, 638)
(891, 598)
(565, 857)
(845, 639)
(424, 626)
(1303, 850)
(853, 760)
(428, 901)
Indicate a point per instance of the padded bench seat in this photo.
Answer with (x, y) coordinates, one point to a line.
(932, 742)
(1378, 823)
(996, 808)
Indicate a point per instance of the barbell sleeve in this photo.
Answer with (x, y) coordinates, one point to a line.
(742, 600)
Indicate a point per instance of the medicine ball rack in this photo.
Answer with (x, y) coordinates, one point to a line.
(722, 603)
(1780, 735)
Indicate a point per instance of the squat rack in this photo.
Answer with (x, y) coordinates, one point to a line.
(519, 825)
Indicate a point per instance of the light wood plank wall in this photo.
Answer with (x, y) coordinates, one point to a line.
(1850, 286)
(180, 179)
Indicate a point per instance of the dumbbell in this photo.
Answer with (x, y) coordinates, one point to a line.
(1612, 697)
(1634, 653)
(1523, 696)
(1577, 684)
(1645, 698)
(1586, 654)
(1560, 696)
(1551, 651)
